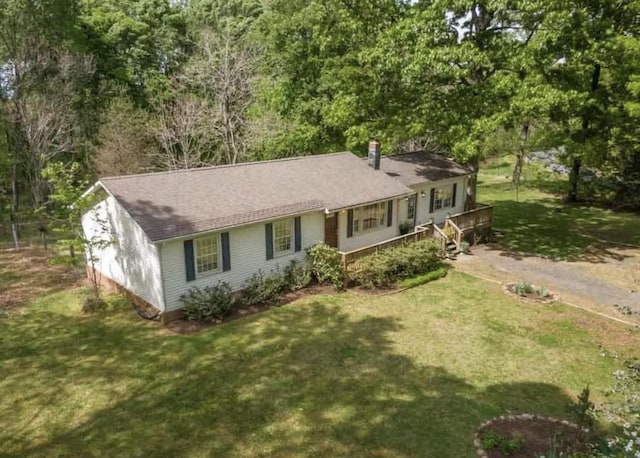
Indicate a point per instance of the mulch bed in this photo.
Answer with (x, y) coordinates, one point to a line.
(540, 436)
(183, 326)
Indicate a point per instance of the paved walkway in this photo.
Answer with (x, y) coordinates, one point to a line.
(597, 286)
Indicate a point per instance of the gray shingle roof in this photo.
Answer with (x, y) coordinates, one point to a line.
(420, 167)
(180, 203)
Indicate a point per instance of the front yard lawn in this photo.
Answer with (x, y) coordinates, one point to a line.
(410, 374)
(540, 223)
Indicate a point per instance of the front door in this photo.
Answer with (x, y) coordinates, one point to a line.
(331, 230)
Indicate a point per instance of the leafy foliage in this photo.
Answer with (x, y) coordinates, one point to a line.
(296, 275)
(70, 204)
(263, 288)
(582, 410)
(325, 264)
(507, 445)
(385, 268)
(208, 303)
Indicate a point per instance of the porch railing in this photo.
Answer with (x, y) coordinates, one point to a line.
(456, 228)
(350, 259)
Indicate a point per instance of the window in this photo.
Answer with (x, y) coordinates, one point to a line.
(369, 217)
(411, 207)
(442, 198)
(282, 235)
(206, 254)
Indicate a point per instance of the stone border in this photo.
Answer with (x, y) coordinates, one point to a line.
(477, 442)
(548, 300)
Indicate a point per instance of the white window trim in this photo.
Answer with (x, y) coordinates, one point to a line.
(413, 198)
(360, 211)
(218, 269)
(442, 190)
(276, 253)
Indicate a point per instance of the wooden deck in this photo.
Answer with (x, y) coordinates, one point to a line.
(471, 226)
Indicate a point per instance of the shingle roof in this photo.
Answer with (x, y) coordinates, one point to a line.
(420, 167)
(180, 203)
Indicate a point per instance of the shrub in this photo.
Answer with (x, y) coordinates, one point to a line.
(507, 445)
(325, 264)
(296, 275)
(542, 292)
(465, 247)
(261, 288)
(582, 411)
(208, 303)
(522, 288)
(424, 278)
(385, 268)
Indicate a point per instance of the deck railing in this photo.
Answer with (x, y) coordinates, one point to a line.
(350, 258)
(481, 216)
(456, 228)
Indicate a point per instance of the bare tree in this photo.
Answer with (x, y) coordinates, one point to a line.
(184, 132)
(223, 70)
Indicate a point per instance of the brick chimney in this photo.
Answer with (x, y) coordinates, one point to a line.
(374, 154)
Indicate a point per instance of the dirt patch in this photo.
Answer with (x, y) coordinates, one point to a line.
(27, 274)
(529, 436)
(184, 326)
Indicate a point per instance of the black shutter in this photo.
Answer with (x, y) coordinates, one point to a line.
(432, 200)
(226, 253)
(350, 222)
(389, 213)
(268, 239)
(453, 194)
(189, 264)
(297, 233)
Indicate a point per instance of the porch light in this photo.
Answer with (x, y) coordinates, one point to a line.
(423, 194)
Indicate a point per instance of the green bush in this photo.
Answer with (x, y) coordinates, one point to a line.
(385, 268)
(208, 303)
(424, 278)
(507, 445)
(325, 264)
(522, 288)
(262, 289)
(296, 275)
(542, 292)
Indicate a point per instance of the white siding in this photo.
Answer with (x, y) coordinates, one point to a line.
(368, 238)
(248, 255)
(439, 216)
(132, 259)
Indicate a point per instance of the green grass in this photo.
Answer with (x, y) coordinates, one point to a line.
(540, 223)
(412, 374)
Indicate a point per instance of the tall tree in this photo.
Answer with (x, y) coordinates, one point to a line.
(39, 61)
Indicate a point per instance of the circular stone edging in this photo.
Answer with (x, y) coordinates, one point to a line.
(477, 442)
(540, 300)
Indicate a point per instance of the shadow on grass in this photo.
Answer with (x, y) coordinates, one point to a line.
(302, 380)
(549, 228)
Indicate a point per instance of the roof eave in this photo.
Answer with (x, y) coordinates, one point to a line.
(228, 227)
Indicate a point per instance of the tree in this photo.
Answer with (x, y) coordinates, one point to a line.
(126, 143)
(221, 72)
(38, 62)
(184, 131)
(70, 204)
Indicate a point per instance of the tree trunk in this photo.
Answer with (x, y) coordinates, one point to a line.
(574, 175)
(15, 201)
(472, 187)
